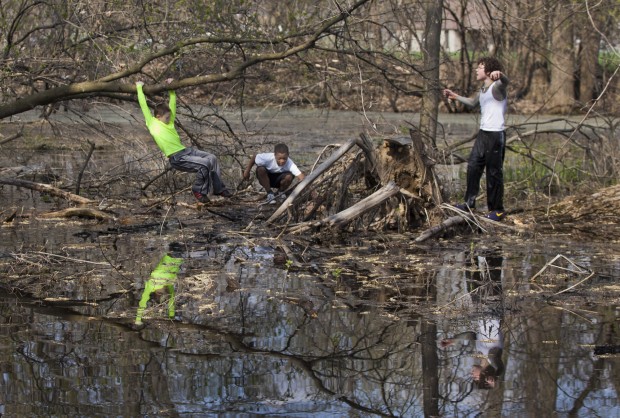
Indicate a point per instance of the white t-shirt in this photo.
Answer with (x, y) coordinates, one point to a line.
(489, 335)
(268, 160)
(492, 111)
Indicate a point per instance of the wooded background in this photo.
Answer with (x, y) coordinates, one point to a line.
(560, 55)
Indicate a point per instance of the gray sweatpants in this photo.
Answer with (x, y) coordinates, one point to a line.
(206, 167)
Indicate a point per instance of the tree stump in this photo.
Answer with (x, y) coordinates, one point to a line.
(404, 160)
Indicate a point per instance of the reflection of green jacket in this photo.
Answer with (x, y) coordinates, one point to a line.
(164, 276)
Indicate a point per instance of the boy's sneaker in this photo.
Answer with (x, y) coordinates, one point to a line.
(495, 215)
(201, 197)
(271, 199)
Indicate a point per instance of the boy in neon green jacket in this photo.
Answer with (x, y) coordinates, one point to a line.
(187, 159)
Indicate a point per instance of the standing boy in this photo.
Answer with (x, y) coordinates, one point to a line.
(192, 160)
(489, 147)
(274, 170)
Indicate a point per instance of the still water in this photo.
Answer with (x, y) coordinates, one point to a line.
(244, 335)
(198, 316)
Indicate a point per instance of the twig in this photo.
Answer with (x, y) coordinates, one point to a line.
(462, 296)
(69, 258)
(576, 284)
(13, 137)
(550, 264)
(79, 177)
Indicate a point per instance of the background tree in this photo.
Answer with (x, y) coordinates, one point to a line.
(432, 47)
(561, 58)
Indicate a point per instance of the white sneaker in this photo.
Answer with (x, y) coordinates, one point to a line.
(271, 199)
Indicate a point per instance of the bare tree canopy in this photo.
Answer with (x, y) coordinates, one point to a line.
(320, 52)
(82, 49)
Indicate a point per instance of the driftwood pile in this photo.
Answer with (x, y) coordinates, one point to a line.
(359, 186)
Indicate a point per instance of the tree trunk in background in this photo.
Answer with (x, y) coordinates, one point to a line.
(432, 48)
(562, 59)
(588, 54)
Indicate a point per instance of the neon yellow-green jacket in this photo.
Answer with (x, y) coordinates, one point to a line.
(164, 275)
(164, 134)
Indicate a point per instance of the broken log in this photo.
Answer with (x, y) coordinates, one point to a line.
(12, 137)
(45, 188)
(341, 219)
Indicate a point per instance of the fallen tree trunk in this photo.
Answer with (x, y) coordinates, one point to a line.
(45, 188)
(341, 219)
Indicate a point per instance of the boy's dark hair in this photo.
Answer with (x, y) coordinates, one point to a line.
(162, 109)
(490, 64)
(280, 149)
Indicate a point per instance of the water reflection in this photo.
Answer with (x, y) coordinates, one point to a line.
(162, 280)
(253, 335)
(472, 358)
(485, 339)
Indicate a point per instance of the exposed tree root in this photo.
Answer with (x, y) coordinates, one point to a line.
(336, 190)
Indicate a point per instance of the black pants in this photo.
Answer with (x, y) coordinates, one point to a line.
(487, 154)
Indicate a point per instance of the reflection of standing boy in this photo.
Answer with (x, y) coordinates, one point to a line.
(192, 160)
(483, 285)
(274, 170)
(490, 345)
(489, 147)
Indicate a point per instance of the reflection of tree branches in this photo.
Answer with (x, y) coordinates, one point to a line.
(371, 353)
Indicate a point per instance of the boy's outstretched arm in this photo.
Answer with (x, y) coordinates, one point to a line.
(146, 111)
(468, 335)
(468, 101)
(248, 169)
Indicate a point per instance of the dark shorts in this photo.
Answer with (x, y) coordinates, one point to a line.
(276, 178)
